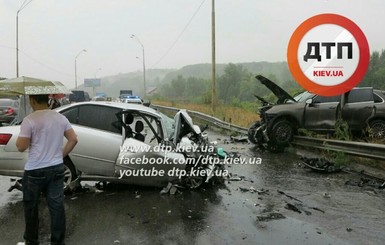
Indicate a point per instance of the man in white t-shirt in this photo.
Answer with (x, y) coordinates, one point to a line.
(42, 132)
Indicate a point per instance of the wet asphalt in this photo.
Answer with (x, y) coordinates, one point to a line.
(278, 201)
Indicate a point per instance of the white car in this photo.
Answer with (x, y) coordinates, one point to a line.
(132, 99)
(122, 142)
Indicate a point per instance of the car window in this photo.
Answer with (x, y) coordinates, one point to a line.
(377, 98)
(326, 99)
(302, 97)
(94, 116)
(360, 95)
(72, 115)
(150, 123)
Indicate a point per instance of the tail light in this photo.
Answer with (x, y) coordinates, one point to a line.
(10, 111)
(4, 138)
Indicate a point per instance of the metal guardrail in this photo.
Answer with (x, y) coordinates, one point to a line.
(361, 149)
(207, 118)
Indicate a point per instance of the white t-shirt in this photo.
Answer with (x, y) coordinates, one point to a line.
(46, 130)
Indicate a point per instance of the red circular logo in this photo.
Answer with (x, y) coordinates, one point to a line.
(328, 54)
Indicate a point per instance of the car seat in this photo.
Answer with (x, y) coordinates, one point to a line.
(129, 119)
(139, 126)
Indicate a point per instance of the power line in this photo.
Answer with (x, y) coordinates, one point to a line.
(37, 61)
(180, 35)
(46, 66)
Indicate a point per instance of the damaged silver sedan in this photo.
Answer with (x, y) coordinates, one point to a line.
(126, 143)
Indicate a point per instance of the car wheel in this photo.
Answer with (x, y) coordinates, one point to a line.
(377, 129)
(70, 175)
(281, 132)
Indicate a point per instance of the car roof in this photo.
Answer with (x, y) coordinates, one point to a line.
(123, 106)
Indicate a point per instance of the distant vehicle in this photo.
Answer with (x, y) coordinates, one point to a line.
(99, 98)
(134, 99)
(362, 108)
(79, 96)
(124, 93)
(101, 94)
(9, 108)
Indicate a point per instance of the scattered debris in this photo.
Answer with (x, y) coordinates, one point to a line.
(318, 209)
(292, 207)
(320, 165)
(291, 197)
(235, 179)
(365, 180)
(270, 216)
(137, 195)
(297, 207)
(326, 195)
(239, 139)
(262, 191)
(349, 229)
(17, 185)
(170, 188)
(166, 189)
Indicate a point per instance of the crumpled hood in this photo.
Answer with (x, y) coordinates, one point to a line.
(277, 90)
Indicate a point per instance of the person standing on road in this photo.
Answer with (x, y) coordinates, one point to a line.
(42, 132)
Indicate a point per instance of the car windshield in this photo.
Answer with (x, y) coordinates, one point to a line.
(302, 97)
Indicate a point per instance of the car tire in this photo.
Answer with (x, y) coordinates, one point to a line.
(70, 175)
(377, 129)
(281, 132)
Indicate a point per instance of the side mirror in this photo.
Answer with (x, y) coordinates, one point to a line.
(309, 101)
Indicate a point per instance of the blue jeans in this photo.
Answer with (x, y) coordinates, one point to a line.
(50, 182)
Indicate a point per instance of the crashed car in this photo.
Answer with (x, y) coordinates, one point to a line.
(362, 108)
(125, 143)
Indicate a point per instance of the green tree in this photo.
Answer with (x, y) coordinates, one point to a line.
(229, 84)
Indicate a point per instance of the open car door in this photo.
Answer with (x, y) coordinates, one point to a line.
(147, 160)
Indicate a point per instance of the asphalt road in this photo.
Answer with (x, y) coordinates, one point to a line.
(275, 202)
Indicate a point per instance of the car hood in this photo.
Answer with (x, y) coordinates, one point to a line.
(183, 125)
(277, 90)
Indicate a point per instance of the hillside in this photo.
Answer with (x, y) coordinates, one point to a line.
(156, 77)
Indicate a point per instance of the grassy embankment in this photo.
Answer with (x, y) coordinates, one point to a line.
(234, 115)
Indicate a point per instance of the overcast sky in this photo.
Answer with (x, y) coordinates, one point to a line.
(174, 33)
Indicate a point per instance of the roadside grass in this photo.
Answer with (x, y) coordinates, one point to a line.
(234, 115)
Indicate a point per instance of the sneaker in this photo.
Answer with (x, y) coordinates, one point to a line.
(20, 243)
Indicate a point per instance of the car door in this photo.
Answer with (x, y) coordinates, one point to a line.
(150, 162)
(99, 140)
(321, 113)
(359, 106)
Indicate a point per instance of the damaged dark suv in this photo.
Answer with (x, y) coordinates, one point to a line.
(361, 108)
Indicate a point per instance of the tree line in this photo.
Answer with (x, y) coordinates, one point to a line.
(237, 85)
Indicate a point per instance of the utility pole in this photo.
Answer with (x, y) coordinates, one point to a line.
(23, 5)
(213, 94)
(144, 64)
